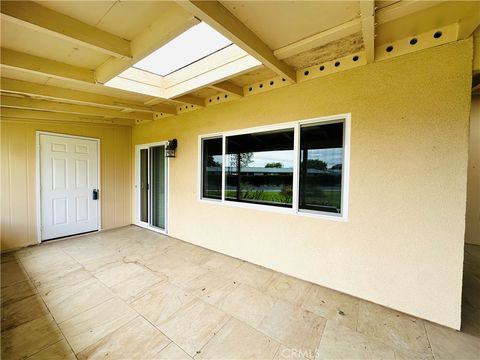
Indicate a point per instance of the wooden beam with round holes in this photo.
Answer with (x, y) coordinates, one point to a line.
(332, 67)
(266, 85)
(416, 42)
(220, 99)
(189, 100)
(161, 115)
(228, 87)
(187, 108)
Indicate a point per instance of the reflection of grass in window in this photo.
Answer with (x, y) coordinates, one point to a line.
(267, 196)
(322, 197)
(318, 197)
(214, 193)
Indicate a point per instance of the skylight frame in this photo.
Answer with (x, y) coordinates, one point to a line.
(220, 65)
(180, 47)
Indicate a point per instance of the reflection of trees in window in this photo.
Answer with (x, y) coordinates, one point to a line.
(211, 162)
(274, 165)
(244, 159)
(212, 168)
(316, 164)
(320, 186)
(270, 184)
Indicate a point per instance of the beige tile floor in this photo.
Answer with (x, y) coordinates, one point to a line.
(131, 293)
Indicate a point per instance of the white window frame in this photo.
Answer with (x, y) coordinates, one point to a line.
(294, 210)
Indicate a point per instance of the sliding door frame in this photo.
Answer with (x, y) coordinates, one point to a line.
(137, 188)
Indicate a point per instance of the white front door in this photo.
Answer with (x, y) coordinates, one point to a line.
(68, 181)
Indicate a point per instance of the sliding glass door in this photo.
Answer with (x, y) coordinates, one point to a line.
(151, 186)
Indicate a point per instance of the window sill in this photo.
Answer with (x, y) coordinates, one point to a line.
(278, 210)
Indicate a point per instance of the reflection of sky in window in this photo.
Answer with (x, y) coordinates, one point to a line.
(260, 159)
(331, 156)
(217, 159)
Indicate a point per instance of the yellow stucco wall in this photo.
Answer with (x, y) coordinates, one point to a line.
(472, 228)
(18, 176)
(403, 244)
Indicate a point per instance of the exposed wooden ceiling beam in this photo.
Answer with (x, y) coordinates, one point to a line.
(403, 8)
(33, 115)
(220, 73)
(367, 15)
(228, 87)
(218, 17)
(207, 64)
(172, 23)
(45, 105)
(34, 64)
(320, 39)
(424, 40)
(123, 83)
(468, 25)
(79, 97)
(476, 51)
(40, 18)
(190, 99)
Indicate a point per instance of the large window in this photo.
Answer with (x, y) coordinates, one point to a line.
(259, 168)
(301, 167)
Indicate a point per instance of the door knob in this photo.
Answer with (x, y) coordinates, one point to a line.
(95, 194)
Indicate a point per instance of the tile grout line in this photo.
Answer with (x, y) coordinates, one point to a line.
(428, 338)
(128, 305)
(160, 331)
(214, 334)
(49, 312)
(244, 323)
(233, 317)
(58, 324)
(196, 297)
(238, 319)
(114, 296)
(55, 343)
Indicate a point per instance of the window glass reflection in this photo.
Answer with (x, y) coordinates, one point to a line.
(259, 168)
(212, 168)
(321, 163)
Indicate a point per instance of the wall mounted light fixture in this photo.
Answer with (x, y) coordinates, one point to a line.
(170, 148)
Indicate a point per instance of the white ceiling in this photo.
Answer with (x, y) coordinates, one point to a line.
(281, 23)
(122, 18)
(20, 38)
(276, 24)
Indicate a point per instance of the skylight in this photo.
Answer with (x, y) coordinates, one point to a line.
(192, 45)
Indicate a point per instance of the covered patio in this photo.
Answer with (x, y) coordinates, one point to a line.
(131, 293)
(240, 179)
